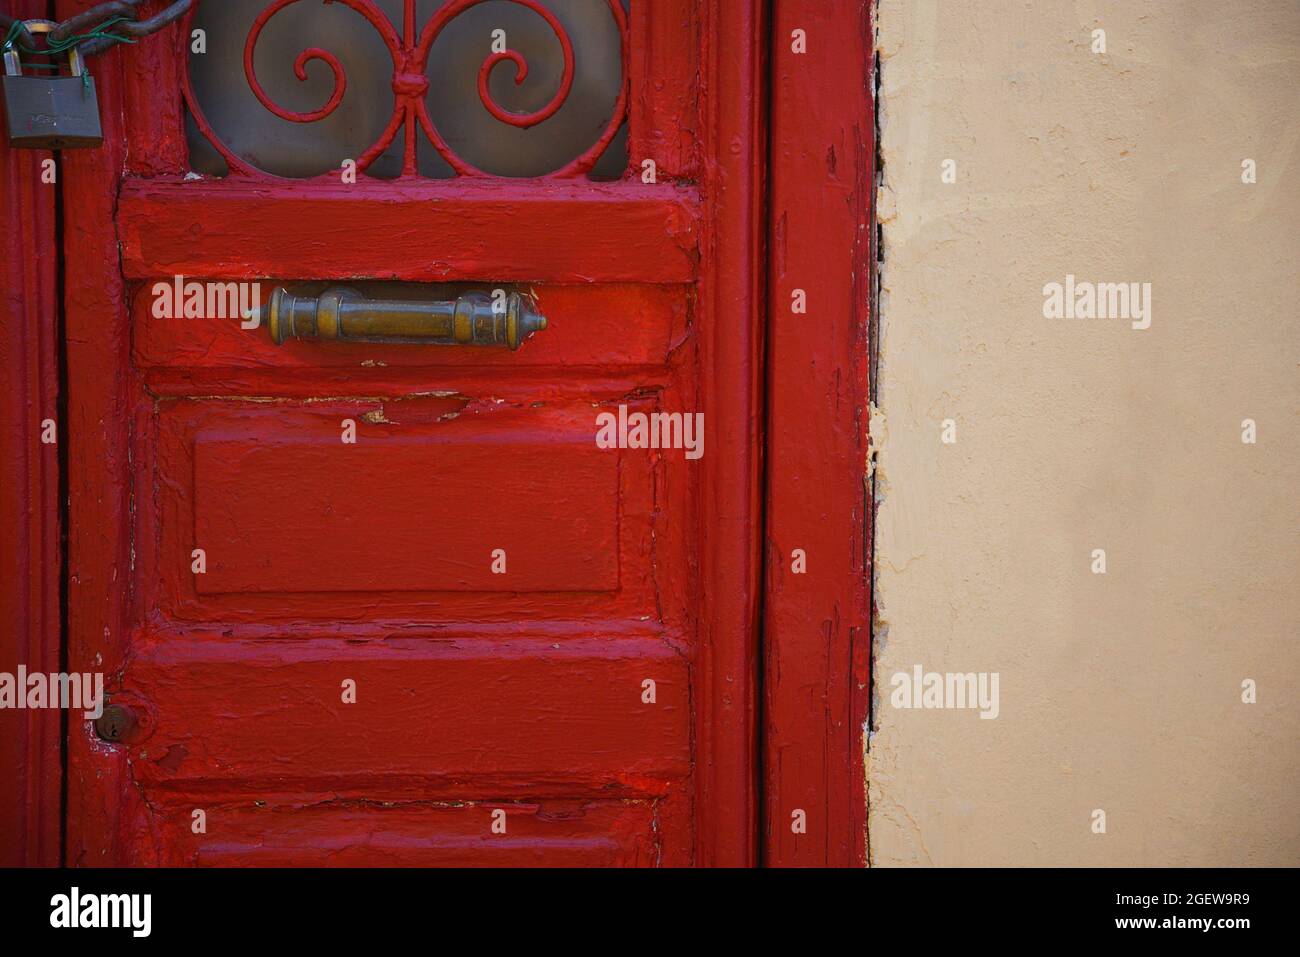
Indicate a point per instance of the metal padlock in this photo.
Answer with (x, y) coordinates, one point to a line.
(50, 112)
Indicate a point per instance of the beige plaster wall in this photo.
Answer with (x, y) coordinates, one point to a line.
(1119, 691)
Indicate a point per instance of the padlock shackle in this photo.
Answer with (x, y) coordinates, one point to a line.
(14, 63)
(40, 26)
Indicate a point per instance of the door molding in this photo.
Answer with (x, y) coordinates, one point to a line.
(817, 625)
(731, 346)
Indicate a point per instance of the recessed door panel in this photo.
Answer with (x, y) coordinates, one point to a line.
(550, 713)
(531, 508)
(343, 833)
(436, 510)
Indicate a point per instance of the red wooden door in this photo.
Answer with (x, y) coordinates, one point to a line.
(472, 635)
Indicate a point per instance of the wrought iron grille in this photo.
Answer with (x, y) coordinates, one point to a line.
(556, 113)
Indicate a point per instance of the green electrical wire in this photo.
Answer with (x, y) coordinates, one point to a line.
(55, 47)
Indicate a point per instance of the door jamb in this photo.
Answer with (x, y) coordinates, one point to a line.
(817, 624)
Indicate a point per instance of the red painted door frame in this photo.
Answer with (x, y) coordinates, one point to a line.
(30, 740)
(817, 606)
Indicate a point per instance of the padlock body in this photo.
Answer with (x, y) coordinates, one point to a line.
(51, 113)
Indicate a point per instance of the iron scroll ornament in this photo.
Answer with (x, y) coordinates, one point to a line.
(410, 52)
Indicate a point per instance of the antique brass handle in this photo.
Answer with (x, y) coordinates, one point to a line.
(341, 313)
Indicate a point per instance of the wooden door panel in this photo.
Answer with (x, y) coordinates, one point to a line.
(296, 525)
(343, 833)
(411, 508)
(545, 714)
(536, 231)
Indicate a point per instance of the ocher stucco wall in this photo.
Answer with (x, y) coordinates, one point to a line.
(1121, 691)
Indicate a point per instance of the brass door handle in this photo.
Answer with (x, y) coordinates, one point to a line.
(344, 314)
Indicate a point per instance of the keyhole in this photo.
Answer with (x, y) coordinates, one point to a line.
(113, 724)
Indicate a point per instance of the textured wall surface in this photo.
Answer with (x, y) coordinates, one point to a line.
(1121, 691)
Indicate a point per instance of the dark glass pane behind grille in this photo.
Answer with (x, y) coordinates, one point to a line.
(286, 148)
